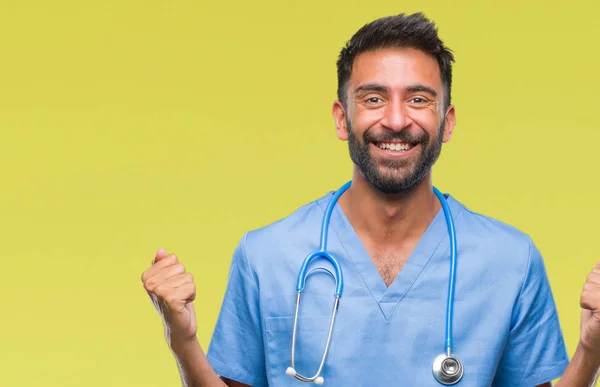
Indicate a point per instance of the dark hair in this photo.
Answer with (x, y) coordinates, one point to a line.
(401, 31)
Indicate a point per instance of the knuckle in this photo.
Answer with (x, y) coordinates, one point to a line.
(589, 277)
(150, 285)
(169, 260)
(160, 291)
(190, 285)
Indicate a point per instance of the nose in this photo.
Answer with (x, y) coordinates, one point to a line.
(396, 117)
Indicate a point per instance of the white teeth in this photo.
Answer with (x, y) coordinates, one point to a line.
(395, 146)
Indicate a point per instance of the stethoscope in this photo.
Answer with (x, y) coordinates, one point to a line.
(447, 368)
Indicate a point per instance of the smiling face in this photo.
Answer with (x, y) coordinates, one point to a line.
(394, 118)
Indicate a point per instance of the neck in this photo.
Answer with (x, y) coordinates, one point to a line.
(389, 219)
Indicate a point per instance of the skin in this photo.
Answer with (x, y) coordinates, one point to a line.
(390, 203)
(391, 222)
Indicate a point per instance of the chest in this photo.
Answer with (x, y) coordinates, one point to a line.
(389, 261)
(398, 330)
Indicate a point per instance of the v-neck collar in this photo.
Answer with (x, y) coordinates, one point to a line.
(429, 245)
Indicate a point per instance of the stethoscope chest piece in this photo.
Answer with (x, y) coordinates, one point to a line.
(447, 369)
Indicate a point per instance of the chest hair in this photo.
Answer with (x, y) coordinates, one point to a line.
(389, 262)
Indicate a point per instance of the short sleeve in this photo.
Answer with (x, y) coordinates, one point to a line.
(535, 352)
(236, 349)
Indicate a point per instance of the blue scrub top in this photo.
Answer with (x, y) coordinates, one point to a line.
(506, 329)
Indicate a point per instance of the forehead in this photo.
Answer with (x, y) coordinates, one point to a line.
(396, 68)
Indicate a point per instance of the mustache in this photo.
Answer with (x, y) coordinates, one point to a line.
(404, 135)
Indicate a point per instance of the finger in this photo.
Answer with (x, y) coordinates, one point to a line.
(590, 297)
(160, 254)
(175, 292)
(176, 281)
(159, 277)
(184, 294)
(177, 298)
(187, 291)
(169, 260)
(162, 291)
(594, 277)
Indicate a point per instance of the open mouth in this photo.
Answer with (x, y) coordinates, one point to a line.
(395, 146)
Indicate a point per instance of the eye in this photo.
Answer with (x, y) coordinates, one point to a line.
(373, 100)
(418, 100)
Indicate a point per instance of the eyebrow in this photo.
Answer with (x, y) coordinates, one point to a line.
(410, 89)
(422, 88)
(371, 87)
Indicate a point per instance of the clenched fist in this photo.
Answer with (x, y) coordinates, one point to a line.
(590, 316)
(172, 291)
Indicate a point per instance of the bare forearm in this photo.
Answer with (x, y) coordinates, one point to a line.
(582, 371)
(194, 368)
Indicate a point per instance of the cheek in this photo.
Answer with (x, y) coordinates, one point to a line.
(365, 119)
(428, 120)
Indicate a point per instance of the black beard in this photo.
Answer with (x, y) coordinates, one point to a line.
(392, 183)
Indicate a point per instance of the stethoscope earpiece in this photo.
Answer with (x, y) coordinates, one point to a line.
(447, 369)
(316, 380)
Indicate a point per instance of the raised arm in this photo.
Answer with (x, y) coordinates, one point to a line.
(585, 364)
(172, 292)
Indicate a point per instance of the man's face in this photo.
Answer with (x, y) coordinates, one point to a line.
(395, 123)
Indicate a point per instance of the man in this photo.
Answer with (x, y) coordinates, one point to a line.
(388, 232)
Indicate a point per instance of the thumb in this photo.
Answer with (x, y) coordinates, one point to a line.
(160, 254)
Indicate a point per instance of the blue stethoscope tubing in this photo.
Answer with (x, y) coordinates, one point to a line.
(447, 368)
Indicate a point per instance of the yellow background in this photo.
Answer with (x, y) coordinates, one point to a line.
(126, 126)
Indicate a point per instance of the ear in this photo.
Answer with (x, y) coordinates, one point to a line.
(339, 115)
(450, 119)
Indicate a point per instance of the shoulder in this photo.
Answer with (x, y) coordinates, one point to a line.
(492, 230)
(307, 215)
(501, 256)
(277, 238)
(499, 243)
